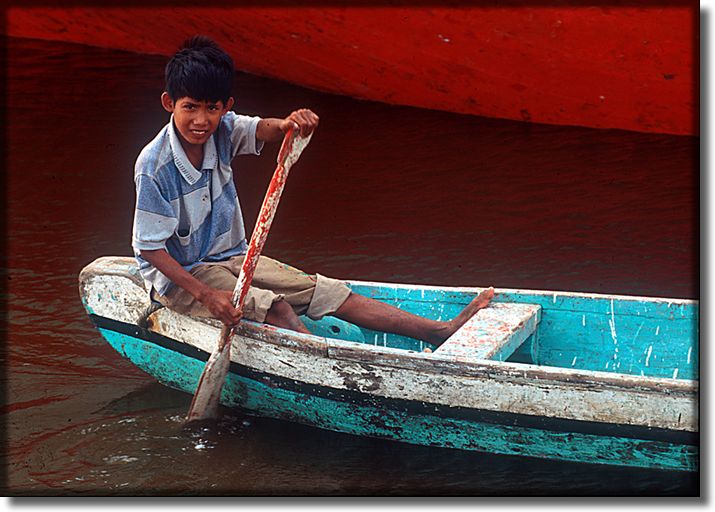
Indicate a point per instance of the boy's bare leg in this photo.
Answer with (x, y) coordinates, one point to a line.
(281, 314)
(379, 316)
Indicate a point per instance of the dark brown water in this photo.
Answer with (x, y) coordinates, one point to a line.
(382, 193)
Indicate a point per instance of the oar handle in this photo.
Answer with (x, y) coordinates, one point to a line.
(293, 145)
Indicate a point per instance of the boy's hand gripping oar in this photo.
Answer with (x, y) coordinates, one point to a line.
(206, 398)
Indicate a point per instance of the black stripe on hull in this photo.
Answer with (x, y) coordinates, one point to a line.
(412, 407)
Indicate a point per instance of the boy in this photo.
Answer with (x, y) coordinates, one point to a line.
(188, 234)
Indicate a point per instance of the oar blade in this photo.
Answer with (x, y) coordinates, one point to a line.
(204, 405)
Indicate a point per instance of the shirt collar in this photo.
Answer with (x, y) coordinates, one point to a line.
(186, 168)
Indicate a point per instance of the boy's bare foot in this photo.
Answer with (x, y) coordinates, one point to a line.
(445, 330)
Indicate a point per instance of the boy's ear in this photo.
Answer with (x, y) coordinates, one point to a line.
(229, 104)
(167, 102)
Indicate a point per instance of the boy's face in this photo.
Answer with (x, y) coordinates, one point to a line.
(195, 120)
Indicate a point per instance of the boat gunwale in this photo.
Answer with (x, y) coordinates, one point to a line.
(352, 351)
(524, 291)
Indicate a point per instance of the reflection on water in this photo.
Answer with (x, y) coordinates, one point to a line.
(145, 448)
(383, 193)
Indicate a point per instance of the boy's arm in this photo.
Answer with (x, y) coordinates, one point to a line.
(218, 302)
(273, 129)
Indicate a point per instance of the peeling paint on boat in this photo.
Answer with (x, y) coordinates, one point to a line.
(612, 325)
(638, 331)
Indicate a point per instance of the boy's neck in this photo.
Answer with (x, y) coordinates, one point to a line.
(194, 152)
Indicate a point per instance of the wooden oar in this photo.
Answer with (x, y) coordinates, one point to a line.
(204, 405)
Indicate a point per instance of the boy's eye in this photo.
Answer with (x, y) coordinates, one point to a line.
(213, 107)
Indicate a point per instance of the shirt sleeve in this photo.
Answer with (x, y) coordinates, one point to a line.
(154, 217)
(243, 134)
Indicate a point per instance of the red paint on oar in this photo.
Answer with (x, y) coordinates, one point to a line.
(204, 405)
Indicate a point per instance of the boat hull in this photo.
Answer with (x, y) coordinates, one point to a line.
(415, 422)
(360, 382)
(631, 67)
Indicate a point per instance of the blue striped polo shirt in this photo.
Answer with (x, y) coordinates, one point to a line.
(193, 214)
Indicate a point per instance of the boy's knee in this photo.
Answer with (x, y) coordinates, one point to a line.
(282, 309)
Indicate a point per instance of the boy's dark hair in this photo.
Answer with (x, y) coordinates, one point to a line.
(200, 70)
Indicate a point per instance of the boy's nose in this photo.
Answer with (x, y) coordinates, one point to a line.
(201, 118)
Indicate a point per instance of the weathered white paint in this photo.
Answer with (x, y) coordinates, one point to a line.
(338, 364)
(494, 332)
(612, 325)
(116, 288)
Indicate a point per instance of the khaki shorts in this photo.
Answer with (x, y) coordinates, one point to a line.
(315, 296)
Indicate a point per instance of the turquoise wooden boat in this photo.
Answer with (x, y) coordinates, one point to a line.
(589, 378)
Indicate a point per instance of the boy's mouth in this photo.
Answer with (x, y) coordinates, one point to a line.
(199, 132)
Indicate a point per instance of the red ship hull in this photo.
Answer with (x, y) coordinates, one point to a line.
(632, 68)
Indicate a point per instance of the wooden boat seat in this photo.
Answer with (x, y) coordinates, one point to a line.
(494, 332)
